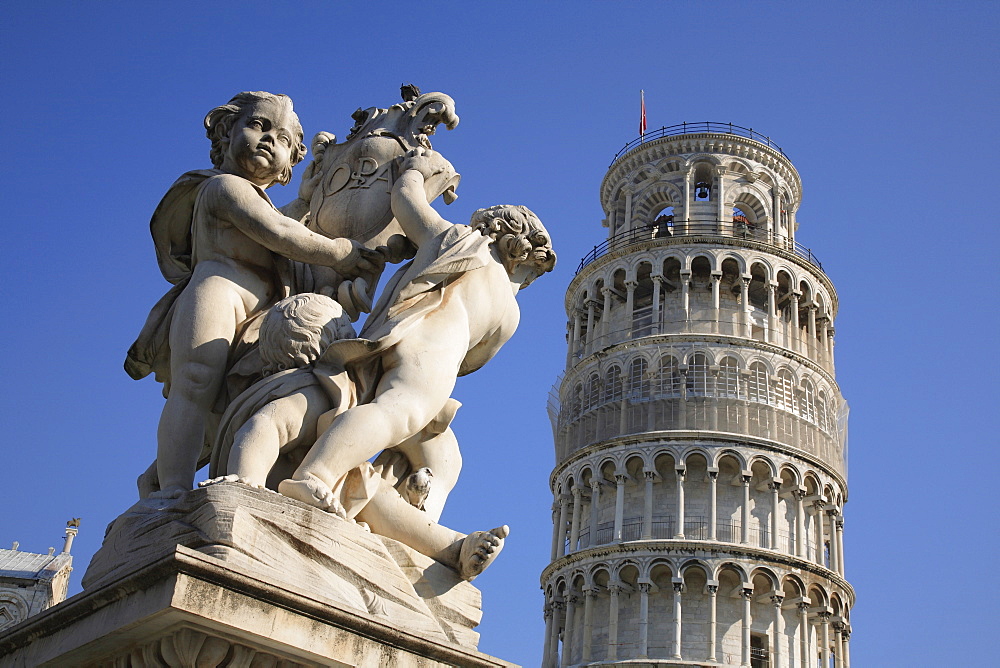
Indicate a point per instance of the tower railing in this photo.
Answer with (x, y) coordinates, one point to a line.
(693, 128)
(674, 231)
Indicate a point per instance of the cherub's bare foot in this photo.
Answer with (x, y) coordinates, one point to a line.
(232, 477)
(479, 549)
(172, 492)
(312, 491)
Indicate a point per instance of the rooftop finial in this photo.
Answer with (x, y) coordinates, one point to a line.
(72, 527)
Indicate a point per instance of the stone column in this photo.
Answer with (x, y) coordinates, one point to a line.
(619, 506)
(720, 211)
(796, 341)
(630, 287)
(824, 337)
(657, 287)
(575, 342)
(716, 282)
(567, 653)
(628, 209)
(547, 650)
(811, 331)
(745, 510)
(678, 589)
(589, 594)
(774, 486)
(680, 471)
(644, 588)
(606, 321)
(824, 650)
(614, 590)
(771, 314)
(745, 303)
(746, 594)
(647, 510)
(595, 495)
(800, 524)
(829, 344)
(779, 630)
(563, 519)
(712, 590)
(687, 197)
(820, 531)
(713, 484)
(574, 532)
(589, 343)
(840, 545)
(555, 532)
(804, 659)
(847, 647)
(838, 645)
(686, 298)
(557, 608)
(834, 555)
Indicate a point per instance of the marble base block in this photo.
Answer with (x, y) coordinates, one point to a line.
(233, 576)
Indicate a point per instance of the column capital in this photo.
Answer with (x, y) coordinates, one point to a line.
(746, 593)
(558, 604)
(803, 606)
(595, 485)
(645, 587)
(777, 600)
(631, 284)
(774, 486)
(824, 616)
(649, 475)
(712, 589)
(571, 598)
(591, 592)
(621, 478)
(678, 586)
(576, 492)
(614, 588)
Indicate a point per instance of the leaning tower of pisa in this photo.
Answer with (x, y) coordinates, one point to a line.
(700, 436)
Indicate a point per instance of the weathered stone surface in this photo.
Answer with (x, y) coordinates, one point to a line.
(191, 609)
(297, 547)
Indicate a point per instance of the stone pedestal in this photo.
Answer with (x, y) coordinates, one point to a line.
(232, 576)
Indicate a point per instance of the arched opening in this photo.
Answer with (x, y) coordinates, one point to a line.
(730, 298)
(729, 616)
(700, 304)
(665, 497)
(666, 392)
(757, 294)
(729, 500)
(703, 182)
(663, 223)
(661, 612)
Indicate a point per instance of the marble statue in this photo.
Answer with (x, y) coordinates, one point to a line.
(264, 376)
(218, 237)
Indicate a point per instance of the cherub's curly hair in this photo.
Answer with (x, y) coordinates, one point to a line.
(298, 329)
(519, 234)
(219, 122)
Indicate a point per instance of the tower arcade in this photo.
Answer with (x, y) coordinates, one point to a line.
(700, 434)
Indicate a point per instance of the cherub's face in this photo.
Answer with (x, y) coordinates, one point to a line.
(261, 141)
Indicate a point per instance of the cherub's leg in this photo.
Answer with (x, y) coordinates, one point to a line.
(387, 514)
(410, 394)
(441, 455)
(202, 329)
(282, 424)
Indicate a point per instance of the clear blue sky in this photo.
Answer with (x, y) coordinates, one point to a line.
(888, 110)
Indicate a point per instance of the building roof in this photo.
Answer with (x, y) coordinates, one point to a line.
(30, 566)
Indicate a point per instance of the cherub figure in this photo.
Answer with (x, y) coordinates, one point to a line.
(443, 315)
(278, 416)
(225, 246)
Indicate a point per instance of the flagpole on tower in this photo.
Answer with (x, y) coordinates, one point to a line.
(642, 115)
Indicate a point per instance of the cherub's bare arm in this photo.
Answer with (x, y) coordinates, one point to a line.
(234, 200)
(419, 220)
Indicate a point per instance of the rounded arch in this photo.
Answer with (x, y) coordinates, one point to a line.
(652, 199)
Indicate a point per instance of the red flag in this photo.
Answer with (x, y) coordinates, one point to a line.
(642, 118)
